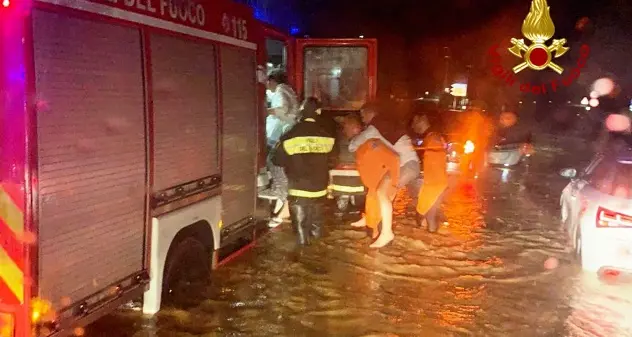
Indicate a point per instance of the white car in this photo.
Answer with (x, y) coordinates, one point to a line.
(596, 209)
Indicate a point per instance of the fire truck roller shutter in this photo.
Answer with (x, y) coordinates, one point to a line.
(91, 150)
(185, 111)
(240, 141)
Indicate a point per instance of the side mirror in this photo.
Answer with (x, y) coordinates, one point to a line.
(569, 173)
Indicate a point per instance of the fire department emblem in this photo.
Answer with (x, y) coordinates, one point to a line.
(538, 28)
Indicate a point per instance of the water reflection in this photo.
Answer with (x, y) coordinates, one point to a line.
(483, 274)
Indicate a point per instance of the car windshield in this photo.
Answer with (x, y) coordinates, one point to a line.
(613, 178)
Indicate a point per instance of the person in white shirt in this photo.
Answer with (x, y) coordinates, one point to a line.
(283, 113)
(394, 136)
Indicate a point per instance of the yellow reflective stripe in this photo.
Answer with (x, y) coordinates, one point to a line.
(11, 274)
(310, 144)
(11, 214)
(349, 189)
(307, 194)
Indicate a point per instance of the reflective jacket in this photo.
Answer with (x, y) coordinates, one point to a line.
(304, 154)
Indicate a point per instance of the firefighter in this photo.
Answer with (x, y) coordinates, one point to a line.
(378, 166)
(435, 180)
(304, 153)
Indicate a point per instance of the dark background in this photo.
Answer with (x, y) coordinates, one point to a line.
(412, 37)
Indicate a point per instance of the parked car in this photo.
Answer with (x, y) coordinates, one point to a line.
(510, 148)
(596, 212)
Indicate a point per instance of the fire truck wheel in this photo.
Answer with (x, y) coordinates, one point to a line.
(342, 203)
(188, 265)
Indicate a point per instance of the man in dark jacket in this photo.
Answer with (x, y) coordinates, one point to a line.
(304, 153)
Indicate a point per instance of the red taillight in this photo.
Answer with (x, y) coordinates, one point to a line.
(527, 149)
(612, 219)
(5, 4)
(7, 325)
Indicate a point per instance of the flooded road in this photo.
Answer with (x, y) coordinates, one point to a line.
(498, 267)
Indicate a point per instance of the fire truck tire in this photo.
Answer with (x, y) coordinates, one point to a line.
(188, 262)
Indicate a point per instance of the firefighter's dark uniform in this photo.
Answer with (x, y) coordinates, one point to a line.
(304, 152)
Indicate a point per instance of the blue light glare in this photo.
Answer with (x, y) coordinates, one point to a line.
(259, 14)
(294, 30)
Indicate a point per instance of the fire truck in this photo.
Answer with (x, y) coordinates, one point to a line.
(131, 140)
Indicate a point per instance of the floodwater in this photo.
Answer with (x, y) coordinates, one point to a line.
(499, 267)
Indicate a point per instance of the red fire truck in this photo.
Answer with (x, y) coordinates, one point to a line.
(131, 140)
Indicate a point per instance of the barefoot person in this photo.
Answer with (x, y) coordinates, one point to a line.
(395, 137)
(378, 166)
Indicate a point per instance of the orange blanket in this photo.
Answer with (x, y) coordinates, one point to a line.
(374, 160)
(435, 175)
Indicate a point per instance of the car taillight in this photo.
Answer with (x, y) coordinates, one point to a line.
(612, 219)
(527, 149)
(468, 147)
(7, 325)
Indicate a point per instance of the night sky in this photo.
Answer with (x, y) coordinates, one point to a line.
(412, 36)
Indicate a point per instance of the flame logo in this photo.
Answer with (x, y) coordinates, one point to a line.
(538, 27)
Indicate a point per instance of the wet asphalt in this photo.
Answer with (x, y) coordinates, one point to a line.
(498, 267)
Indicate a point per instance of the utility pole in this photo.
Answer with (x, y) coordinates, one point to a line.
(468, 75)
(446, 57)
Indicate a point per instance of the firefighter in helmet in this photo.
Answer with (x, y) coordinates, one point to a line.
(304, 153)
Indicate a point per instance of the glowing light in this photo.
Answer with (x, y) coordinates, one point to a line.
(505, 175)
(594, 94)
(603, 86)
(6, 325)
(336, 71)
(362, 36)
(294, 30)
(593, 102)
(468, 147)
(458, 90)
(6, 3)
(617, 123)
(427, 93)
(587, 108)
(584, 101)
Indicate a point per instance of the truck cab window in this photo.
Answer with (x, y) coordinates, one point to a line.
(338, 76)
